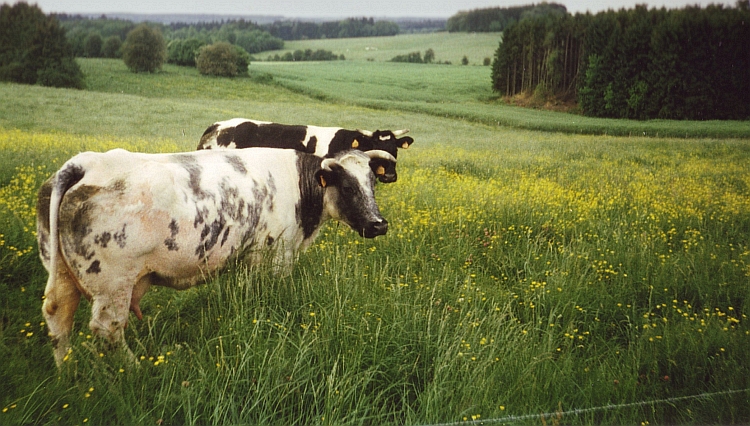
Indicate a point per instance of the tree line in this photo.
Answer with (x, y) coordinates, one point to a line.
(691, 63)
(99, 37)
(86, 34)
(347, 28)
(497, 19)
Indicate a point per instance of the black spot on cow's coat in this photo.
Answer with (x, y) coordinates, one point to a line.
(75, 210)
(309, 210)
(270, 240)
(237, 164)
(102, 239)
(199, 214)
(120, 237)
(224, 238)
(94, 268)
(248, 134)
(194, 170)
(170, 242)
(205, 231)
(75, 219)
(119, 186)
(211, 235)
(312, 144)
(69, 176)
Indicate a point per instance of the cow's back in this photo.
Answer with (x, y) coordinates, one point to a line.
(239, 133)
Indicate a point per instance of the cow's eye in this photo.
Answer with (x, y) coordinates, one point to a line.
(347, 190)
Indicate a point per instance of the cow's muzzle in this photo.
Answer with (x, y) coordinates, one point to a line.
(373, 229)
(387, 177)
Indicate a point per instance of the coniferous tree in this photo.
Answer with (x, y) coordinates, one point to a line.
(34, 50)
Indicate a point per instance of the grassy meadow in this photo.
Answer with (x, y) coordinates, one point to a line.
(524, 271)
(448, 47)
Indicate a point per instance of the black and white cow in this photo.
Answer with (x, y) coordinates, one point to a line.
(321, 141)
(112, 224)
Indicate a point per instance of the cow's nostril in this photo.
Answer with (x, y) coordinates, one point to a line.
(388, 178)
(377, 228)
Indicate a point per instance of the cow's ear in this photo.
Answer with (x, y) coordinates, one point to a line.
(378, 166)
(325, 178)
(405, 142)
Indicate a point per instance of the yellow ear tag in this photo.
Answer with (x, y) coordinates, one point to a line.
(380, 171)
(405, 145)
(355, 143)
(322, 181)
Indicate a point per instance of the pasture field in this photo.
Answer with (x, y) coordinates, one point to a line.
(460, 92)
(448, 47)
(455, 91)
(524, 272)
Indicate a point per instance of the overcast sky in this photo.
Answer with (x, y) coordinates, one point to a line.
(333, 8)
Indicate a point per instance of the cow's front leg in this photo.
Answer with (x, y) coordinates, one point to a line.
(283, 262)
(61, 298)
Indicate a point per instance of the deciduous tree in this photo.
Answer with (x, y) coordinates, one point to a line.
(144, 49)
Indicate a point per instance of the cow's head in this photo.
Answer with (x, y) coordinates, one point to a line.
(350, 190)
(388, 141)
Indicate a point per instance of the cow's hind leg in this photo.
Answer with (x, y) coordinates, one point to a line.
(109, 315)
(61, 298)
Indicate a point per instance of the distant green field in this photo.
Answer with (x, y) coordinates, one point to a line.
(461, 92)
(448, 47)
(366, 78)
(599, 278)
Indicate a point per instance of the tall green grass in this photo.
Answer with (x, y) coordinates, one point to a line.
(523, 272)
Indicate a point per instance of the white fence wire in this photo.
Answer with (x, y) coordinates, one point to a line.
(579, 411)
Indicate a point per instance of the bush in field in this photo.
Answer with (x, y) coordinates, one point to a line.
(307, 55)
(416, 57)
(222, 59)
(413, 57)
(34, 50)
(111, 47)
(184, 52)
(93, 46)
(144, 49)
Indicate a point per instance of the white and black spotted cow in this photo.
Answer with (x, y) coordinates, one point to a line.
(321, 141)
(112, 224)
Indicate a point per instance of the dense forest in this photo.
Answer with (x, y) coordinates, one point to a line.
(498, 19)
(691, 63)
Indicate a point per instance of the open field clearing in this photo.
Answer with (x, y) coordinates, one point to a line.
(523, 272)
(448, 47)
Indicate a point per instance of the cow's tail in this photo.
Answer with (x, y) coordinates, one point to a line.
(70, 174)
